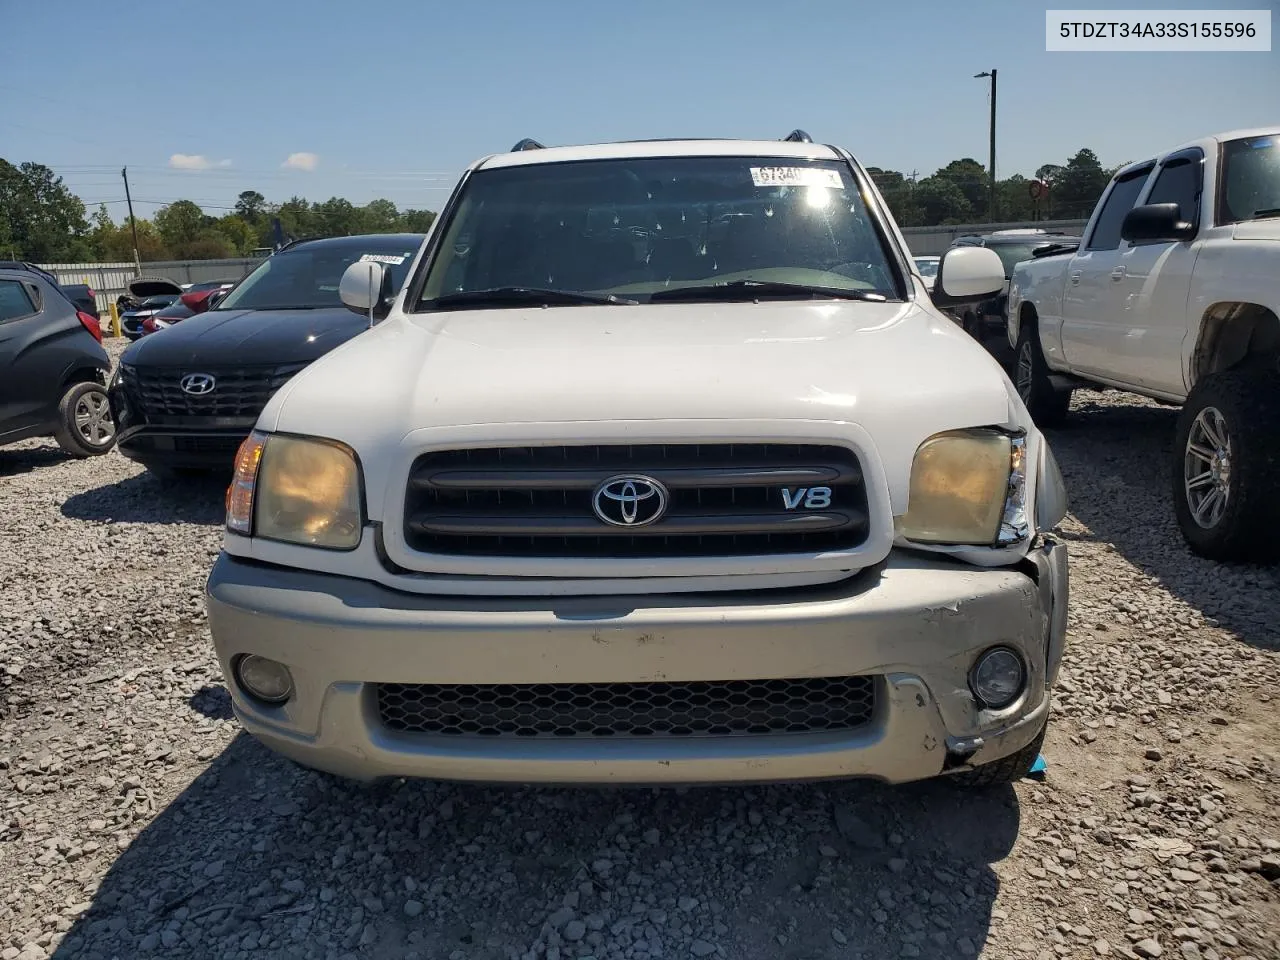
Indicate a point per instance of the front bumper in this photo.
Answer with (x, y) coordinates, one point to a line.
(916, 625)
(207, 443)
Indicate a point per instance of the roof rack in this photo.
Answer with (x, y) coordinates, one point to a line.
(798, 136)
(528, 143)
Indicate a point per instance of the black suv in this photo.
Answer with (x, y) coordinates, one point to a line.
(53, 368)
(1012, 246)
(185, 397)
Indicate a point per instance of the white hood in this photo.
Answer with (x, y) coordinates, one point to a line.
(706, 361)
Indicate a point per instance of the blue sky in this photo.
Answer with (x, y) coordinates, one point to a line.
(394, 100)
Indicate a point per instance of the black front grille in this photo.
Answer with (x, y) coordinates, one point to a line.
(722, 708)
(240, 392)
(724, 500)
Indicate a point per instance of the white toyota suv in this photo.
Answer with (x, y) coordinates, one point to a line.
(662, 466)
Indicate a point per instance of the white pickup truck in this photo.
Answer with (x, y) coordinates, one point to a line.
(663, 466)
(1174, 294)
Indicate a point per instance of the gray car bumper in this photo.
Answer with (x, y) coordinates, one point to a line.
(916, 625)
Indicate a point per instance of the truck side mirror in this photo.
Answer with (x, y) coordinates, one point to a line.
(966, 274)
(1156, 221)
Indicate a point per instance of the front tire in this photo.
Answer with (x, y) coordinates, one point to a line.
(1046, 403)
(85, 426)
(1226, 467)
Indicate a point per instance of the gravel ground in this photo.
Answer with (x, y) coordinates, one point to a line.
(136, 821)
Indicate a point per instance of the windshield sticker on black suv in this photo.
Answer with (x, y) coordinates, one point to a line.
(796, 177)
(390, 258)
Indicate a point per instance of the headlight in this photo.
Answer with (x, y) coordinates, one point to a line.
(296, 489)
(968, 487)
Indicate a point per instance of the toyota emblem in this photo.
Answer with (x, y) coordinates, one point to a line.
(630, 501)
(198, 384)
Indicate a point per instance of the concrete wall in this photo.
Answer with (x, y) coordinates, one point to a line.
(932, 241)
(108, 280)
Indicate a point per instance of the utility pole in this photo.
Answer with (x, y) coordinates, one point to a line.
(133, 224)
(991, 203)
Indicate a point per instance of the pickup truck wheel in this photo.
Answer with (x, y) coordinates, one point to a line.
(1010, 769)
(1047, 404)
(85, 427)
(1226, 467)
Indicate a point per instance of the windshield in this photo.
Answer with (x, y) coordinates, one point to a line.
(1250, 180)
(306, 277)
(1013, 253)
(160, 301)
(175, 310)
(638, 227)
(928, 266)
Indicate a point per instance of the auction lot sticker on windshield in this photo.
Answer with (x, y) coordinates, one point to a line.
(390, 258)
(796, 177)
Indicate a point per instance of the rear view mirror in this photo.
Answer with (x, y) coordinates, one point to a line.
(966, 274)
(1156, 221)
(366, 288)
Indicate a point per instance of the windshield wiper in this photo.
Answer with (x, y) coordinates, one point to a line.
(521, 296)
(1270, 212)
(750, 289)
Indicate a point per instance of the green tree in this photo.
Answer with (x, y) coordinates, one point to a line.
(970, 177)
(40, 219)
(379, 216)
(239, 233)
(210, 245)
(941, 201)
(180, 223)
(336, 217)
(1078, 187)
(250, 206)
(1050, 172)
(113, 242)
(417, 221)
(898, 193)
(296, 219)
(1013, 197)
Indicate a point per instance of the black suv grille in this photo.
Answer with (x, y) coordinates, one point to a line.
(692, 709)
(737, 499)
(237, 392)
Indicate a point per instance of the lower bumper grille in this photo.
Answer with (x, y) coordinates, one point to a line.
(690, 709)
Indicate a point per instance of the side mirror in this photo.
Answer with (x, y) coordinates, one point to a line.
(1156, 221)
(366, 288)
(966, 274)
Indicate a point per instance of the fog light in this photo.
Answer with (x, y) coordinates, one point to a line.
(998, 677)
(264, 679)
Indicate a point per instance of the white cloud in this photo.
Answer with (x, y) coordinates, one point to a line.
(301, 161)
(193, 161)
